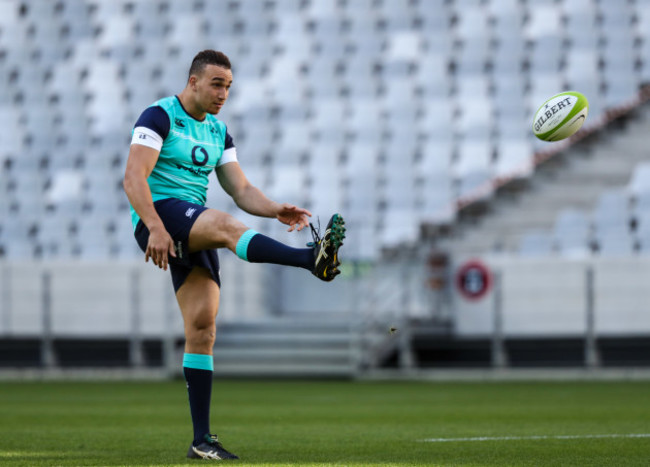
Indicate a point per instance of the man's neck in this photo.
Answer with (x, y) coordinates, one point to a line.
(189, 107)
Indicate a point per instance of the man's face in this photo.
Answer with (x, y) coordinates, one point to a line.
(211, 88)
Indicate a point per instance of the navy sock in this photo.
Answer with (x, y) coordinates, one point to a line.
(199, 390)
(257, 248)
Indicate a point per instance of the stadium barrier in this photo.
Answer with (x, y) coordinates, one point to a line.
(528, 312)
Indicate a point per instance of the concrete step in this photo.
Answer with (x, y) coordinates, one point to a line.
(285, 370)
(280, 339)
(298, 346)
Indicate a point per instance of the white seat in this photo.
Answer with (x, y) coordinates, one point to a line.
(515, 159)
(473, 156)
(474, 121)
(432, 75)
(640, 181)
(643, 31)
(536, 243)
(544, 21)
(361, 241)
(400, 226)
(543, 86)
(362, 179)
(404, 45)
(472, 25)
(294, 143)
(475, 185)
(581, 67)
(643, 242)
(547, 54)
(612, 211)
(365, 120)
(150, 24)
(615, 242)
(288, 184)
(571, 233)
(117, 35)
(509, 93)
(66, 186)
(438, 203)
(323, 9)
(436, 157)
(581, 24)
(471, 85)
(437, 121)
(398, 190)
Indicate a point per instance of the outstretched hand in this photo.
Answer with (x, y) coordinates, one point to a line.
(295, 217)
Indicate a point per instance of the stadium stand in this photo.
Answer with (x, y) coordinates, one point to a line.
(384, 81)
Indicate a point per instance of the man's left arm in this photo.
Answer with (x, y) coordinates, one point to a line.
(251, 199)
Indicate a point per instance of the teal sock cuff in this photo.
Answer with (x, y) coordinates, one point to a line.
(198, 361)
(242, 244)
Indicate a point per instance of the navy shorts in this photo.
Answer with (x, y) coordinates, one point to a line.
(178, 218)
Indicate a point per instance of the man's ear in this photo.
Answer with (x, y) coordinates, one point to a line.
(192, 82)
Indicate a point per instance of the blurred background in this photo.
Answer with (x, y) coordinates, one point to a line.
(484, 247)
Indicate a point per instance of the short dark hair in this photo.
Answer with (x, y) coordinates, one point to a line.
(208, 57)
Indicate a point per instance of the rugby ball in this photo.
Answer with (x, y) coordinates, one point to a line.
(560, 116)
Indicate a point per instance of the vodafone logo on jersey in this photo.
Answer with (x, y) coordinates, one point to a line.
(202, 153)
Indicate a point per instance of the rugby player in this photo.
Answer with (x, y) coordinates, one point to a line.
(177, 142)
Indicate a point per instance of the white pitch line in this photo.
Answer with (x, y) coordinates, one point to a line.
(524, 438)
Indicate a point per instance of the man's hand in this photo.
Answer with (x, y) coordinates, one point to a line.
(159, 246)
(293, 216)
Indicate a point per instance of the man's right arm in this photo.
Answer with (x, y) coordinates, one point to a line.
(139, 166)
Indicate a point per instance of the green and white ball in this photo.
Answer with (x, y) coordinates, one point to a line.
(560, 116)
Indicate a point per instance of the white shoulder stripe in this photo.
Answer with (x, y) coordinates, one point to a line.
(229, 155)
(147, 137)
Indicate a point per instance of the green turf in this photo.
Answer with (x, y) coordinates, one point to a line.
(325, 423)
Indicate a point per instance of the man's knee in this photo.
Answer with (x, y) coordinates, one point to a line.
(199, 335)
(215, 229)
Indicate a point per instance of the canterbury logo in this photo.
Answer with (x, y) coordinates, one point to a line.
(190, 212)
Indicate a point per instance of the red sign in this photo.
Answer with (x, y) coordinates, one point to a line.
(473, 280)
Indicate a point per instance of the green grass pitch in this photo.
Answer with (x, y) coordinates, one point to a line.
(330, 423)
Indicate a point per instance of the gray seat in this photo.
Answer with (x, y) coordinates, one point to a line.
(615, 242)
(536, 244)
(515, 159)
(572, 233)
(612, 211)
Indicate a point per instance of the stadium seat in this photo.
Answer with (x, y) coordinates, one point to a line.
(582, 73)
(362, 194)
(438, 203)
(432, 76)
(514, 159)
(473, 156)
(475, 185)
(437, 123)
(643, 32)
(571, 233)
(640, 180)
(612, 211)
(581, 24)
(475, 118)
(450, 85)
(405, 46)
(536, 244)
(615, 242)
